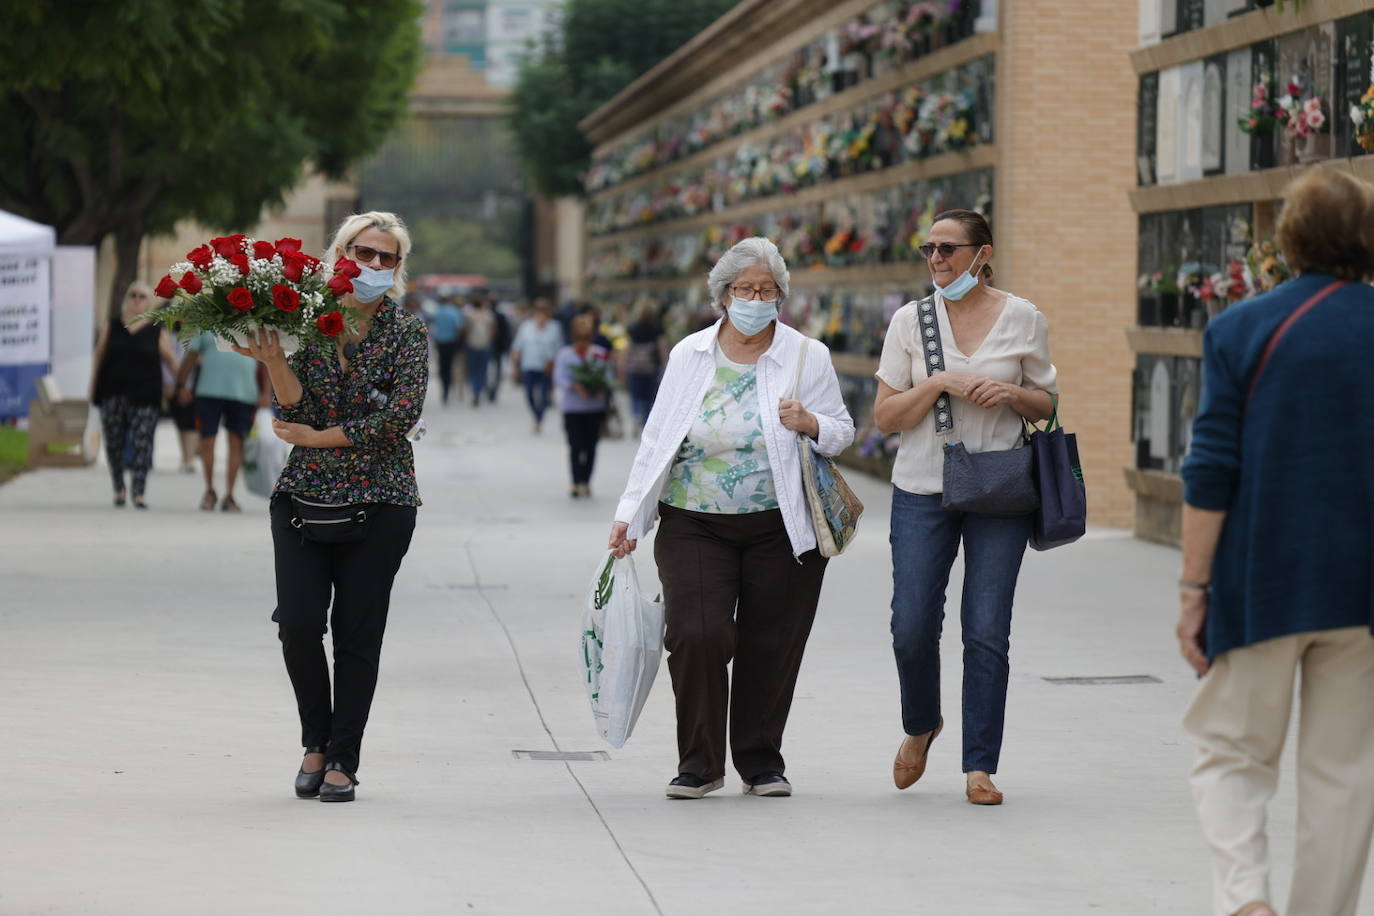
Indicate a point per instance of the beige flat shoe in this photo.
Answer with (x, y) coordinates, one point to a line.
(910, 764)
(1256, 908)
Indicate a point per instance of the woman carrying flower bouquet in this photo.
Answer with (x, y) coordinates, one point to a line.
(347, 403)
(582, 375)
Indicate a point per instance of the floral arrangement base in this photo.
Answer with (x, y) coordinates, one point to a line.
(225, 340)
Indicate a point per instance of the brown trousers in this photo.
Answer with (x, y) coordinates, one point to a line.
(733, 590)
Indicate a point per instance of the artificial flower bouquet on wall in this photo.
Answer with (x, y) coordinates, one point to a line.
(1263, 115)
(234, 285)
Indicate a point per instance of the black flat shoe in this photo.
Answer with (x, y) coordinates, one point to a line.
(332, 793)
(308, 784)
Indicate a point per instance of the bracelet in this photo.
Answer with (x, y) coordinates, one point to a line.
(1204, 587)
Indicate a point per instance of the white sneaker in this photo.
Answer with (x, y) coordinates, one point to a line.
(688, 786)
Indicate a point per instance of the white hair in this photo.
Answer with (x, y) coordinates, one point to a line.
(745, 254)
(358, 223)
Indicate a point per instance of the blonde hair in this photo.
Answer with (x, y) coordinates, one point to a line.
(150, 300)
(1325, 224)
(355, 225)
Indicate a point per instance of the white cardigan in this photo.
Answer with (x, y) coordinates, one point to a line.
(686, 379)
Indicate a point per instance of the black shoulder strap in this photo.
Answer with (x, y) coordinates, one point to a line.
(933, 355)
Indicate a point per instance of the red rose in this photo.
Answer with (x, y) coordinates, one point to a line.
(285, 245)
(310, 262)
(190, 282)
(263, 251)
(166, 287)
(240, 260)
(241, 299)
(201, 257)
(330, 324)
(285, 298)
(228, 245)
(293, 265)
(349, 269)
(339, 284)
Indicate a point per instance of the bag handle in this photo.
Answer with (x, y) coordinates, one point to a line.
(933, 355)
(1052, 423)
(801, 361)
(1284, 328)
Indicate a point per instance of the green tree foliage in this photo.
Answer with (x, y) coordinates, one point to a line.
(600, 48)
(123, 118)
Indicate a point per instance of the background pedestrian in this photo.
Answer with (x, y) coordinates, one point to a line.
(445, 330)
(533, 351)
(1278, 532)
(582, 375)
(226, 392)
(479, 337)
(644, 358)
(126, 385)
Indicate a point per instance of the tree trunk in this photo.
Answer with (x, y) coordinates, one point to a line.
(128, 238)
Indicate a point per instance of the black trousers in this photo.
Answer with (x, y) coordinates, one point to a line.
(447, 353)
(732, 589)
(357, 579)
(584, 431)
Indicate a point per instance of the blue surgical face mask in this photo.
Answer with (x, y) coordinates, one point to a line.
(959, 287)
(749, 316)
(371, 284)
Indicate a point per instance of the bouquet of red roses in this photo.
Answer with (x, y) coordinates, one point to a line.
(235, 285)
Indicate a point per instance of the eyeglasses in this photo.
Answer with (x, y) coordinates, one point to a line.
(138, 295)
(945, 248)
(365, 254)
(764, 294)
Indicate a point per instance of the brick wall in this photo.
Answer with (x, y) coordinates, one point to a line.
(1067, 234)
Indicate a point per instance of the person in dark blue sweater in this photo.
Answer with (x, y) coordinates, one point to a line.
(1278, 559)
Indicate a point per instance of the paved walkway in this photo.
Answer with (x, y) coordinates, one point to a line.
(150, 736)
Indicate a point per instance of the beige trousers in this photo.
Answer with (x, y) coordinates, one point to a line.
(1239, 720)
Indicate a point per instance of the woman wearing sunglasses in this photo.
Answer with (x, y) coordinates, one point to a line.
(126, 384)
(998, 371)
(347, 405)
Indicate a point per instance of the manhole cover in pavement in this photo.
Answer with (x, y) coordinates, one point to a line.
(1116, 679)
(560, 755)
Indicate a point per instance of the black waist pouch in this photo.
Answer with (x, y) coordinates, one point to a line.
(327, 523)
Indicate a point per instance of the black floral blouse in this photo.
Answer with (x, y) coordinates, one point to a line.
(376, 400)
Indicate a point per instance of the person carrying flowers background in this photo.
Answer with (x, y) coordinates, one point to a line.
(344, 508)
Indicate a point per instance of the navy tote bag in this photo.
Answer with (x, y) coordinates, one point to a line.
(1063, 514)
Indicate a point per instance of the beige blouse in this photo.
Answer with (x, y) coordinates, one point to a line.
(1016, 350)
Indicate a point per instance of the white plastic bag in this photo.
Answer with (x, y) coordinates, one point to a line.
(622, 641)
(264, 456)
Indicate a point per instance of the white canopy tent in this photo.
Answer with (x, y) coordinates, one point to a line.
(21, 237)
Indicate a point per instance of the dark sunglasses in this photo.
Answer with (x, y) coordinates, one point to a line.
(945, 248)
(365, 254)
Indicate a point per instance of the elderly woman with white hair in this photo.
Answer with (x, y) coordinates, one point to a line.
(718, 462)
(343, 510)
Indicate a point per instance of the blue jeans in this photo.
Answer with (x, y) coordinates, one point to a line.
(537, 384)
(478, 361)
(643, 388)
(925, 540)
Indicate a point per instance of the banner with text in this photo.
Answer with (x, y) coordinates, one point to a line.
(25, 340)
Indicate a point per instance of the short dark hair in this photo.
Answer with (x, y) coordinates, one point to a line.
(976, 229)
(1325, 224)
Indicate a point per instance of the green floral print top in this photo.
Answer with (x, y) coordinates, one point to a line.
(376, 400)
(722, 466)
